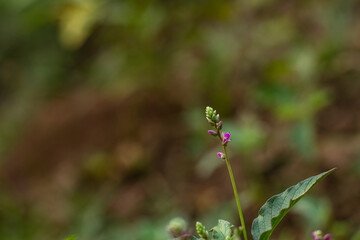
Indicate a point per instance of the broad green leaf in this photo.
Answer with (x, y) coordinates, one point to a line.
(279, 205)
(222, 231)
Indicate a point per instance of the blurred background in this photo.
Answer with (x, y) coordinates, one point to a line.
(102, 125)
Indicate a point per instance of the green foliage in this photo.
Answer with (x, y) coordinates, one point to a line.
(279, 205)
(356, 235)
(315, 211)
(71, 237)
(249, 133)
(223, 231)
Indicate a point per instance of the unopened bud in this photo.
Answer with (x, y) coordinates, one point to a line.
(200, 229)
(210, 121)
(212, 132)
(209, 111)
(327, 237)
(219, 126)
(317, 235)
(217, 118)
(221, 155)
(211, 115)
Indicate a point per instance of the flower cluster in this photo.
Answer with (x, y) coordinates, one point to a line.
(214, 119)
(201, 230)
(318, 235)
(211, 116)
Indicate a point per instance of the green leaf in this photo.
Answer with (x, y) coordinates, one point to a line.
(71, 237)
(279, 205)
(222, 231)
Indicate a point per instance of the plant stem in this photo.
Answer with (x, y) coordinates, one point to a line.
(235, 192)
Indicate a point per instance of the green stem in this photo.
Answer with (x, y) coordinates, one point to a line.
(235, 192)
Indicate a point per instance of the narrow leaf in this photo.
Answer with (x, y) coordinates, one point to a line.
(279, 205)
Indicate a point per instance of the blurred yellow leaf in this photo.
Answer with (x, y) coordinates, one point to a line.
(76, 21)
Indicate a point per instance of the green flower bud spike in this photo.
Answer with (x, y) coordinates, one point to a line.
(211, 116)
(214, 120)
(200, 229)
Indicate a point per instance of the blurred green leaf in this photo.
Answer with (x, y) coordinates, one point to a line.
(303, 138)
(315, 210)
(77, 18)
(356, 236)
(248, 134)
(71, 237)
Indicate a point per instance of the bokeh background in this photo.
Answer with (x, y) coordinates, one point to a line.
(102, 126)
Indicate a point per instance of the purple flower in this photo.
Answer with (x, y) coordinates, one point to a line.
(327, 237)
(221, 155)
(226, 137)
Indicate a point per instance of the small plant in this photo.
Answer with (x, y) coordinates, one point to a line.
(178, 228)
(270, 213)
